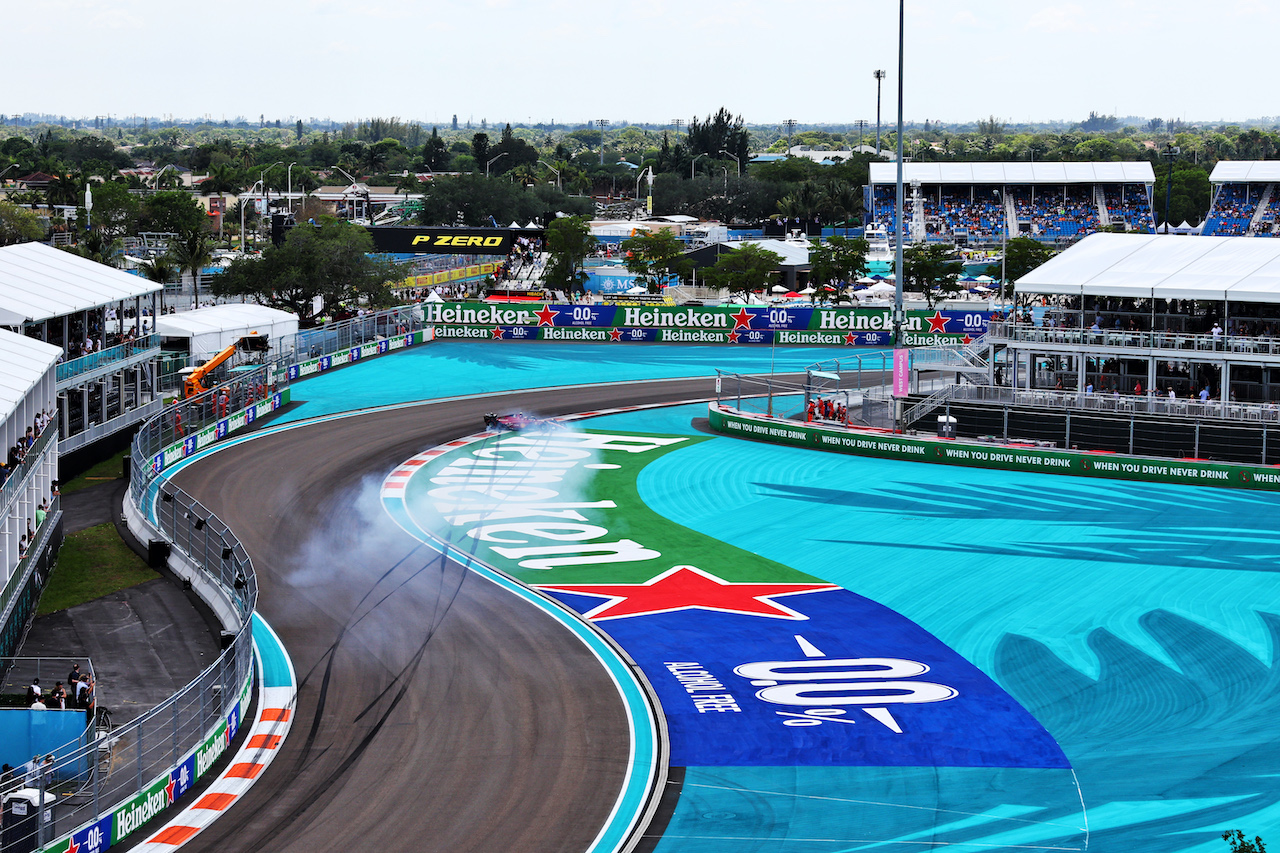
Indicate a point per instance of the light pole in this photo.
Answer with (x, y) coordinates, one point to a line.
(491, 162)
(554, 169)
(289, 178)
(155, 184)
(242, 202)
(735, 159)
(266, 193)
(603, 123)
(7, 168)
(879, 75)
(344, 172)
(692, 163)
(898, 314)
(1171, 151)
(1004, 241)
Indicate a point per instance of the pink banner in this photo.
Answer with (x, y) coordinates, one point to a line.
(901, 372)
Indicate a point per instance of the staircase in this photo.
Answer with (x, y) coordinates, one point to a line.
(1260, 215)
(1100, 199)
(971, 361)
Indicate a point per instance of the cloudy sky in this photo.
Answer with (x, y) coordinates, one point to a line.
(571, 61)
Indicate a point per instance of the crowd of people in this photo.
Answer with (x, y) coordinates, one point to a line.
(1232, 211)
(1127, 203)
(978, 212)
(18, 451)
(1058, 214)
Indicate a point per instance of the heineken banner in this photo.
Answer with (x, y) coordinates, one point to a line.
(748, 324)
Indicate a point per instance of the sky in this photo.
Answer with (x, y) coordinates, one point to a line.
(573, 61)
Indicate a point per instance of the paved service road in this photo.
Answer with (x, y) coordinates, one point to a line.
(436, 712)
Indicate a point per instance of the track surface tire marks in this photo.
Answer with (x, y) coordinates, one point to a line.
(435, 711)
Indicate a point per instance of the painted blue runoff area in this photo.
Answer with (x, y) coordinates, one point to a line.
(1138, 623)
(453, 368)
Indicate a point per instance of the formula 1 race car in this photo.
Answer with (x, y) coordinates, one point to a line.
(519, 422)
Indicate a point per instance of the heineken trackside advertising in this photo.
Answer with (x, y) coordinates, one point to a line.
(726, 324)
(755, 663)
(1036, 460)
(132, 814)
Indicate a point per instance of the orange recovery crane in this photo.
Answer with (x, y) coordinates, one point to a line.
(193, 383)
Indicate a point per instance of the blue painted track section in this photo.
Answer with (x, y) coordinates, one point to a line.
(451, 369)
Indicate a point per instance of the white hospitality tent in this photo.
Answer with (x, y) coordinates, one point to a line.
(211, 330)
(38, 283)
(1158, 266)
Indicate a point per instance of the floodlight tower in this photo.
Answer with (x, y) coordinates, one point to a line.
(603, 123)
(879, 75)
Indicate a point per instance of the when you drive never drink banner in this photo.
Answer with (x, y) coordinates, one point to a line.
(744, 324)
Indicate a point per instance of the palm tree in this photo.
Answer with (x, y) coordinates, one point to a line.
(192, 252)
(222, 180)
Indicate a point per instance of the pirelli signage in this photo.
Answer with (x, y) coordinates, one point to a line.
(445, 241)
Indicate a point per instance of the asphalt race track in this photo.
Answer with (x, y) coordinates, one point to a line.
(436, 711)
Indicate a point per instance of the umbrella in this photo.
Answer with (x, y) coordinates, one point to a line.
(967, 278)
(866, 280)
(984, 278)
(882, 287)
(638, 289)
(791, 294)
(777, 288)
(808, 290)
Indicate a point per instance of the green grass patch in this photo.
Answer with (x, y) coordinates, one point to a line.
(92, 563)
(107, 469)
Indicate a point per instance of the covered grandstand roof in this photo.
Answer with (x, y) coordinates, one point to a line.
(1015, 173)
(38, 282)
(1235, 269)
(23, 363)
(1245, 171)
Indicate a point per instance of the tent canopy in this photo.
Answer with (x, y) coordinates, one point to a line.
(38, 282)
(211, 330)
(1014, 173)
(23, 363)
(1235, 269)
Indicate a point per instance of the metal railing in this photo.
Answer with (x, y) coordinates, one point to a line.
(112, 426)
(11, 597)
(17, 479)
(1176, 343)
(110, 765)
(1123, 404)
(93, 361)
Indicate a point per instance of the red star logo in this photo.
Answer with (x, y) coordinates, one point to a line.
(546, 315)
(742, 320)
(168, 789)
(72, 847)
(497, 333)
(850, 338)
(966, 340)
(690, 588)
(733, 336)
(615, 334)
(937, 323)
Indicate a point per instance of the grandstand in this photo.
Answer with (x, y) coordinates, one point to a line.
(1245, 201)
(978, 204)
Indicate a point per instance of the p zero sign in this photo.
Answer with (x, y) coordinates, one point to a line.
(443, 241)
